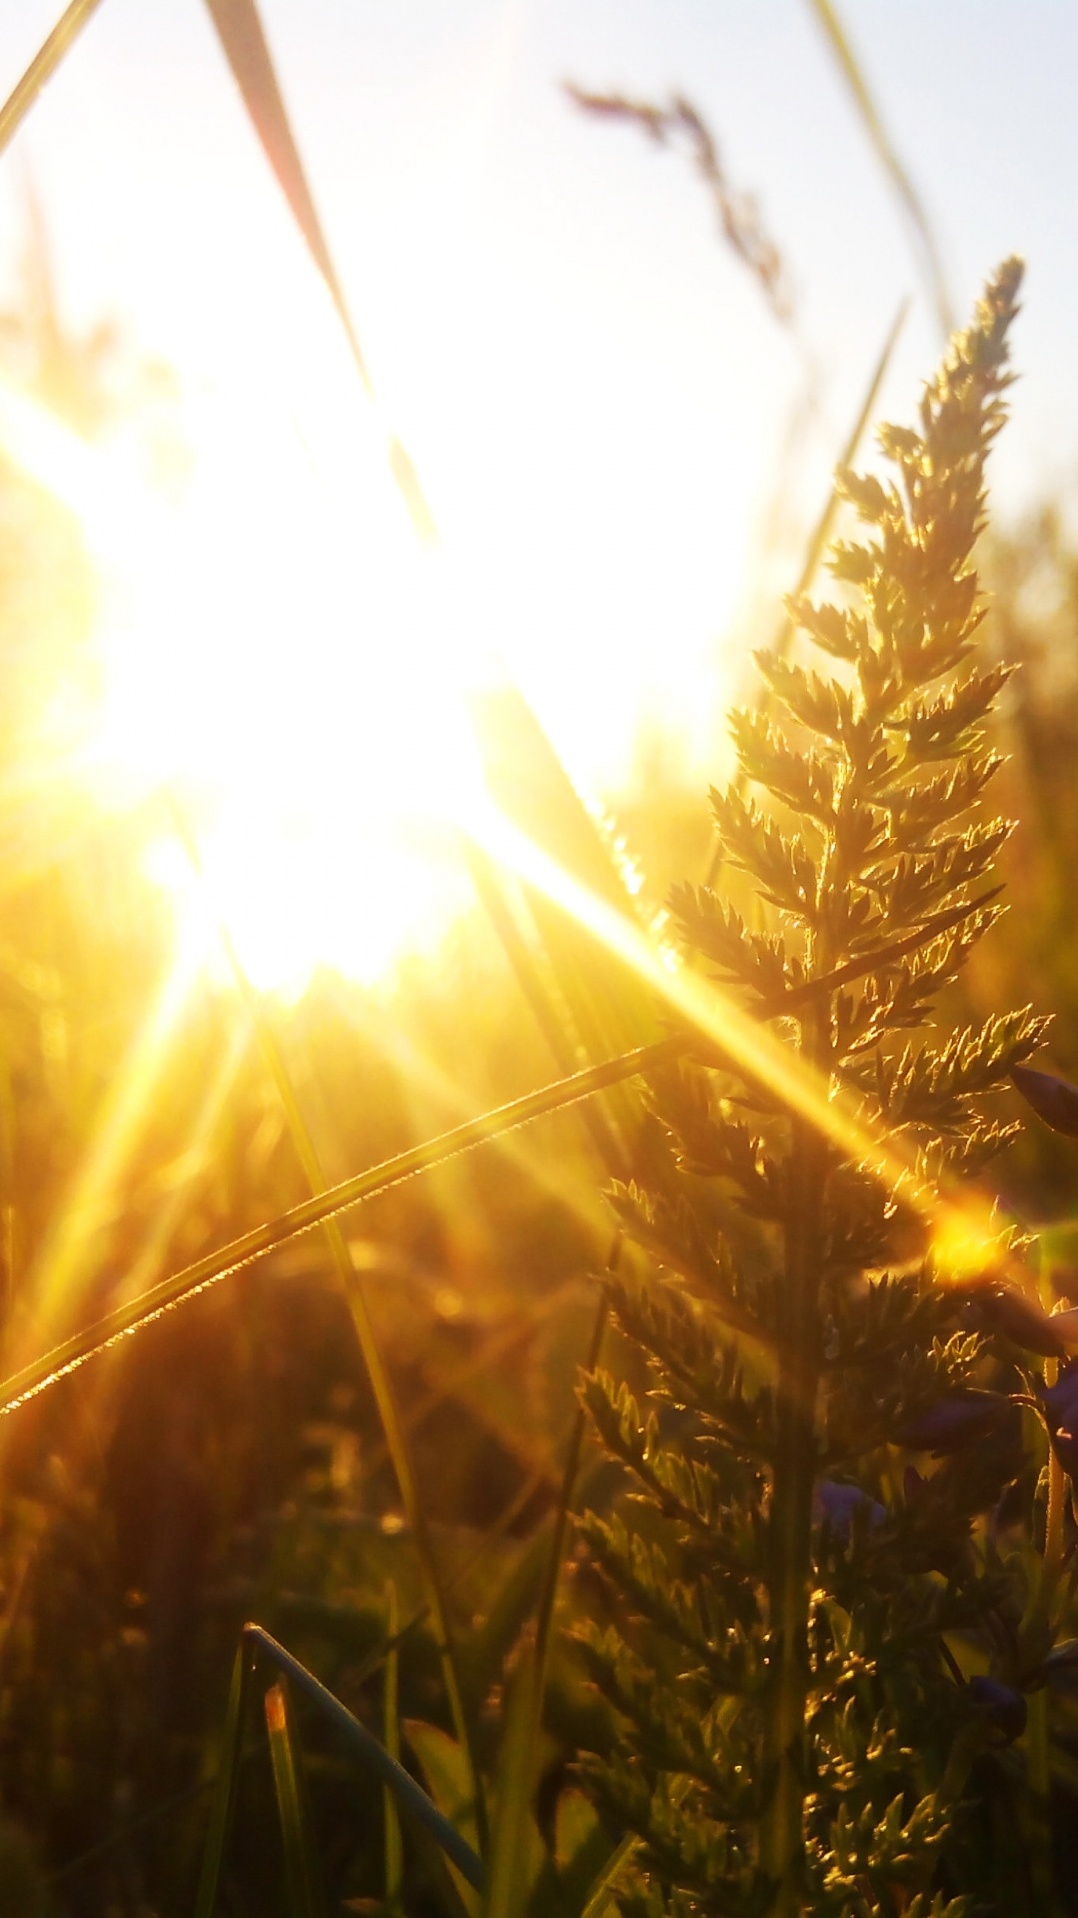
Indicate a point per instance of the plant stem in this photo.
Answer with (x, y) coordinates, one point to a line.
(782, 1842)
(790, 1526)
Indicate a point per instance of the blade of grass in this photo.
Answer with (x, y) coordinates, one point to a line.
(532, 984)
(602, 1891)
(609, 1006)
(497, 1348)
(598, 1005)
(517, 1606)
(130, 1317)
(300, 1856)
(224, 1791)
(563, 1509)
(243, 41)
(910, 199)
(511, 1854)
(42, 67)
(391, 1734)
(519, 1752)
(371, 1754)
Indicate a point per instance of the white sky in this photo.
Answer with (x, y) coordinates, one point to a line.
(591, 387)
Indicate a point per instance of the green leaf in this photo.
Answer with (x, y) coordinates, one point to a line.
(224, 1796)
(516, 1849)
(300, 1855)
(391, 1734)
(448, 1774)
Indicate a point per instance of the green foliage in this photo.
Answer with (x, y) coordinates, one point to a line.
(794, 1730)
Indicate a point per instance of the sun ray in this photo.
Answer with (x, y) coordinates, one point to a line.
(71, 1254)
(964, 1224)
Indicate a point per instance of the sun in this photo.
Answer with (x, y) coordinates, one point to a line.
(292, 669)
(300, 699)
(278, 660)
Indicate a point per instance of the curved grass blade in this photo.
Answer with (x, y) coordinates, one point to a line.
(194, 1278)
(529, 977)
(515, 1847)
(300, 1855)
(512, 1842)
(131, 1317)
(391, 1734)
(371, 1754)
(42, 67)
(560, 1529)
(375, 1661)
(243, 41)
(599, 1005)
(610, 1007)
(224, 1795)
(907, 193)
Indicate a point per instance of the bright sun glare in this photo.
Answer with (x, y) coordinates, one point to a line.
(278, 657)
(291, 668)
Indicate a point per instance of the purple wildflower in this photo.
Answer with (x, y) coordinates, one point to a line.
(957, 1420)
(1053, 1100)
(838, 1506)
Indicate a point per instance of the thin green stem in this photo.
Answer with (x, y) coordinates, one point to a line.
(790, 1529)
(796, 1453)
(391, 1732)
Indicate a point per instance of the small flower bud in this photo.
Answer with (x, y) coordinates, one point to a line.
(1053, 1100)
(838, 1506)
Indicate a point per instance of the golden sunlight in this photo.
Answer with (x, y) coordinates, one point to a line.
(290, 668)
(275, 661)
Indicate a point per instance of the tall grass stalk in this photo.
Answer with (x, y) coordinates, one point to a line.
(302, 1871)
(42, 67)
(133, 1315)
(794, 1729)
(910, 200)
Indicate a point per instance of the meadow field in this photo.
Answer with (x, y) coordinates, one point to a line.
(538, 1303)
